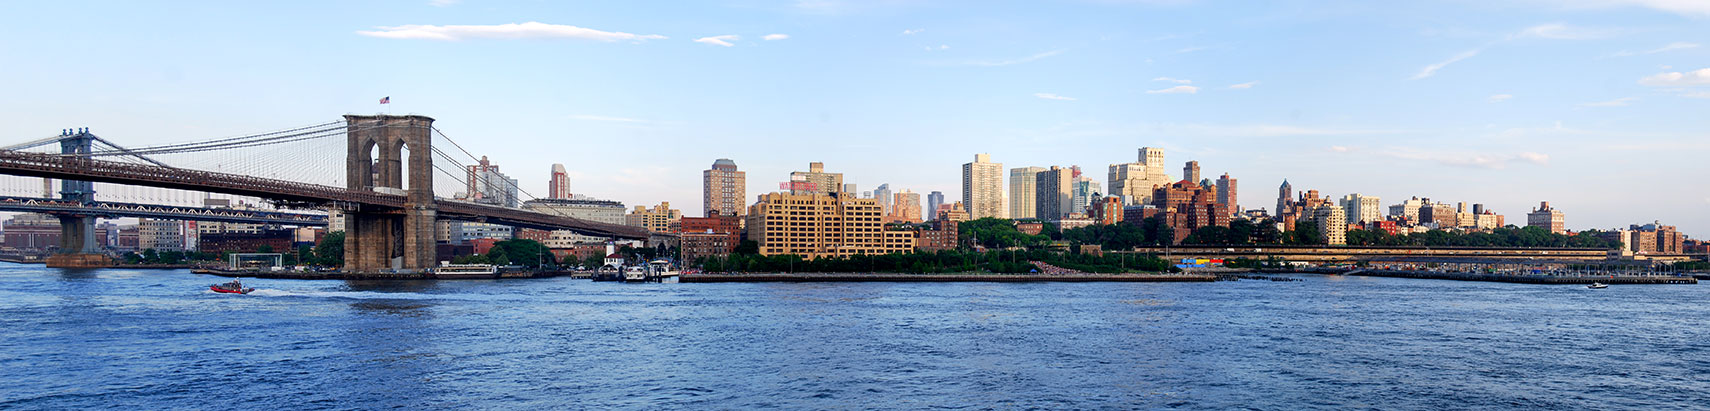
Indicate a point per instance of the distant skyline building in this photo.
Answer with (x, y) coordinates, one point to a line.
(1285, 196)
(1082, 191)
(1332, 223)
(559, 186)
(816, 180)
(905, 207)
(1135, 182)
(1226, 194)
(1407, 210)
(724, 189)
(659, 219)
(982, 187)
(487, 185)
(1547, 218)
(1361, 209)
(885, 197)
(1053, 193)
(1190, 172)
(582, 207)
(933, 200)
(1022, 193)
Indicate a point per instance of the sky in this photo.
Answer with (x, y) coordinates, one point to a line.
(1597, 106)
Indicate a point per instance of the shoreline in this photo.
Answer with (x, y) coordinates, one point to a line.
(939, 278)
(1498, 278)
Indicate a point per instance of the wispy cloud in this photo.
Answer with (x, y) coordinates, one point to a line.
(1498, 98)
(1558, 31)
(1691, 8)
(910, 32)
(1431, 70)
(1341, 149)
(443, 3)
(1269, 130)
(1699, 77)
(1175, 90)
(1679, 45)
(1173, 80)
(724, 40)
(940, 47)
(1049, 96)
(1244, 86)
(591, 117)
(1620, 102)
(1697, 94)
(1493, 161)
(529, 30)
(770, 37)
(997, 63)
(1190, 50)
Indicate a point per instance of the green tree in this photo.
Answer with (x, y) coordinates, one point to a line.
(330, 252)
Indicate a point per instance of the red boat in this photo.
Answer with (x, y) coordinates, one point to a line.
(234, 287)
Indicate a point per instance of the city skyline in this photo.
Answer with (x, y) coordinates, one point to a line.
(1507, 109)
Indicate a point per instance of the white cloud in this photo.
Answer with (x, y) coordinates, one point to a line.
(1558, 31)
(724, 40)
(1679, 45)
(1431, 70)
(910, 32)
(1341, 149)
(1695, 8)
(1500, 98)
(1697, 94)
(591, 117)
(1049, 96)
(1172, 80)
(996, 63)
(443, 3)
(1470, 160)
(529, 30)
(1175, 90)
(1699, 77)
(1244, 86)
(770, 37)
(1624, 101)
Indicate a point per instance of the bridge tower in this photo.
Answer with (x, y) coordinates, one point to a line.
(376, 239)
(77, 246)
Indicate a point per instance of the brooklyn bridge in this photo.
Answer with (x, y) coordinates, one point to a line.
(383, 183)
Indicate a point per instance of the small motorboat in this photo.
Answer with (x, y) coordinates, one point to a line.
(1597, 285)
(234, 287)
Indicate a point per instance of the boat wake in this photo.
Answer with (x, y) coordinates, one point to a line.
(353, 295)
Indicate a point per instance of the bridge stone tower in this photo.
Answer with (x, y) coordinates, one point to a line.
(77, 232)
(400, 239)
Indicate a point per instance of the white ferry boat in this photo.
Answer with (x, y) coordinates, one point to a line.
(454, 271)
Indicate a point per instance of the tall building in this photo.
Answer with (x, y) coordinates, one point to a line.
(1135, 182)
(1546, 217)
(982, 187)
(1285, 195)
(1407, 210)
(1184, 206)
(934, 200)
(1190, 171)
(723, 189)
(488, 186)
(1082, 191)
(816, 180)
(1022, 193)
(603, 211)
(883, 194)
(1361, 209)
(905, 207)
(1053, 194)
(1226, 194)
(559, 186)
(821, 225)
(660, 219)
(1332, 224)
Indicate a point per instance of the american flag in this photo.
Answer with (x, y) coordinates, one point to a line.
(386, 100)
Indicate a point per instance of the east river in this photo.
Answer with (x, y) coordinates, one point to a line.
(143, 339)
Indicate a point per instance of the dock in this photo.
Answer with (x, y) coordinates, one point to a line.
(939, 278)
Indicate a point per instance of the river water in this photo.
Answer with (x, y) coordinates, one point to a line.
(146, 339)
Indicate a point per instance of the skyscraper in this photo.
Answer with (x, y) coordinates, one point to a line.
(559, 186)
(905, 207)
(724, 189)
(883, 194)
(1332, 224)
(934, 200)
(1285, 196)
(1052, 193)
(1226, 194)
(1134, 182)
(1360, 208)
(982, 187)
(1190, 172)
(1022, 196)
(487, 185)
(816, 179)
(1082, 190)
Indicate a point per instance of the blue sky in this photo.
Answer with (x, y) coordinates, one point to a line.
(1597, 106)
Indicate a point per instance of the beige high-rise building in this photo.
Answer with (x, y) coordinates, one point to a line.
(905, 207)
(982, 187)
(1548, 218)
(1053, 193)
(821, 225)
(1408, 210)
(818, 181)
(1021, 191)
(660, 219)
(1134, 182)
(1360, 208)
(724, 189)
(1332, 223)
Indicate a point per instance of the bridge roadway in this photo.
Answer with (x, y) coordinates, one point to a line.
(87, 169)
(114, 210)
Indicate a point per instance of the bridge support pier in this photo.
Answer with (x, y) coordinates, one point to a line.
(401, 240)
(77, 246)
